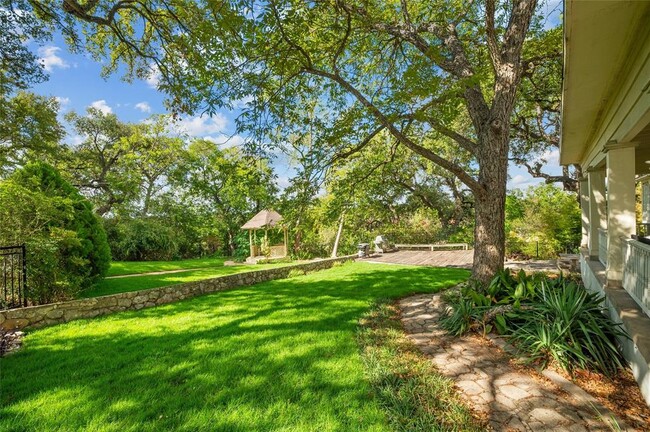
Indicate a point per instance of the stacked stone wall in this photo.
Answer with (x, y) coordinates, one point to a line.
(55, 313)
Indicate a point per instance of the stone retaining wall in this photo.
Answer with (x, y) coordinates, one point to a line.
(55, 313)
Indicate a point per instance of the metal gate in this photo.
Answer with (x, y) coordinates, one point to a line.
(13, 277)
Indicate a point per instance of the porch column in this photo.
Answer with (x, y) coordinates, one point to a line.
(621, 206)
(597, 216)
(584, 206)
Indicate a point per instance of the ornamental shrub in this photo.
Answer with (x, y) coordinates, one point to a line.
(66, 243)
(546, 319)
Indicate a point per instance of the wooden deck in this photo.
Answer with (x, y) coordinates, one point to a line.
(451, 258)
(456, 258)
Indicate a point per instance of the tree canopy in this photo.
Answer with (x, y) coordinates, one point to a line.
(460, 85)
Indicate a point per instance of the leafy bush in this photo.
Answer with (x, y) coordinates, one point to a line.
(242, 243)
(459, 319)
(66, 243)
(142, 239)
(568, 324)
(542, 222)
(546, 319)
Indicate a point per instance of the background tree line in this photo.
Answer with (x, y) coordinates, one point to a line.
(150, 193)
(399, 118)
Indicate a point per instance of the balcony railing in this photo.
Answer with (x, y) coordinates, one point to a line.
(602, 246)
(636, 275)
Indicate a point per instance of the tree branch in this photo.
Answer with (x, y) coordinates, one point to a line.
(472, 183)
(358, 147)
(490, 34)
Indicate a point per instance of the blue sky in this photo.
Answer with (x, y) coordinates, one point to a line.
(76, 81)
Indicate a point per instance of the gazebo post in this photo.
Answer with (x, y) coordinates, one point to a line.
(250, 242)
(286, 241)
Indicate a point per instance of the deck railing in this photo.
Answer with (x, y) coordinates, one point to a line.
(602, 246)
(636, 275)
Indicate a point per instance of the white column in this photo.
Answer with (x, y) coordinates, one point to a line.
(621, 206)
(584, 206)
(597, 216)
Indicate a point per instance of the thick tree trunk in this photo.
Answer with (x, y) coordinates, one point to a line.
(489, 236)
(489, 230)
(335, 249)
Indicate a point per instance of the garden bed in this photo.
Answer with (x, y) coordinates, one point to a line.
(555, 326)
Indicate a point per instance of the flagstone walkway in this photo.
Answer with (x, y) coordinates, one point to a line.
(509, 397)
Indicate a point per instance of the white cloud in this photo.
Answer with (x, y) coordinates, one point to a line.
(75, 140)
(154, 77)
(143, 106)
(520, 181)
(552, 157)
(283, 182)
(242, 103)
(203, 125)
(63, 101)
(49, 58)
(226, 140)
(102, 106)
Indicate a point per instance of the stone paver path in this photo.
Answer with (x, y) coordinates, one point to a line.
(511, 400)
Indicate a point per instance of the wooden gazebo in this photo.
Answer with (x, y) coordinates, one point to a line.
(265, 220)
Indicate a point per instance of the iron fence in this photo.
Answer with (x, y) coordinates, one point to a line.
(13, 279)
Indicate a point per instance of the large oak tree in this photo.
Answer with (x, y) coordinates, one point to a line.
(434, 68)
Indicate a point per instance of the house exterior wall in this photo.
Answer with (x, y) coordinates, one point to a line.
(605, 121)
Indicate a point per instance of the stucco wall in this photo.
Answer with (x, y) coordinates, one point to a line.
(55, 313)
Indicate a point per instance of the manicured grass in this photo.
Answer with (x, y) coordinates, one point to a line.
(134, 267)
(276, 356)
(135, 283)
(415, 396)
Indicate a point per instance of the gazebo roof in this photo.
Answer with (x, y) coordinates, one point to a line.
(264, 219)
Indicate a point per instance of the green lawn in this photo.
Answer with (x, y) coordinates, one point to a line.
(134, 267)
(278, 356)
(135, 283)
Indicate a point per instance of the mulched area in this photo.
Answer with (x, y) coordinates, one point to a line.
(620, 394)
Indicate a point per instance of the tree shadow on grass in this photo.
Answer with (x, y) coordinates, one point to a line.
(276, 355)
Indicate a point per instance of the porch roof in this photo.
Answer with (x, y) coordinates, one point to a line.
(598, 37)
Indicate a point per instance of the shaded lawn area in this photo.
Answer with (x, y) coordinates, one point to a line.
(135, 283)
(276, 356)
(119, 268)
